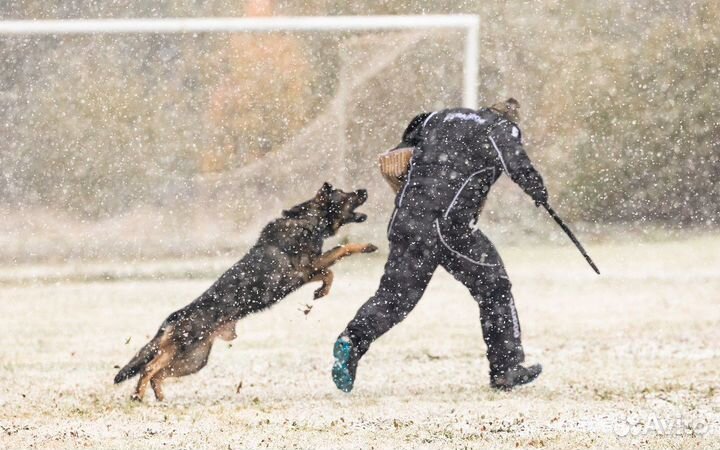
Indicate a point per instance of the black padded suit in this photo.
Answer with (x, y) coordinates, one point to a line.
(459, 154)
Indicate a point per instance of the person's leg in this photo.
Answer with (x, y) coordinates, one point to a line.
(408, 271)
(473, 260)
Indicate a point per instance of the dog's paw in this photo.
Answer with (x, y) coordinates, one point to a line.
(369, 248)
(321, 292)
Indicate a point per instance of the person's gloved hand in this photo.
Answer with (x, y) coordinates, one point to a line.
(540, 196)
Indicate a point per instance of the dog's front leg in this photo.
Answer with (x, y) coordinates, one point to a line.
(326, 276)
(321, 265)
(330, 257)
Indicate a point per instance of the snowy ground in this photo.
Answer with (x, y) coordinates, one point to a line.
(631, 359)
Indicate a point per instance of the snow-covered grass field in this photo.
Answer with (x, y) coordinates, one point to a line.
(631, 359)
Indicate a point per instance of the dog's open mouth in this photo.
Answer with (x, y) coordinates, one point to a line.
(360, 198)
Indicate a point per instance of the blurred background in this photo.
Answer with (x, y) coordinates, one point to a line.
(145, 146)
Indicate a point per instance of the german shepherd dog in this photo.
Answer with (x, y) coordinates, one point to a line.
(287, 256)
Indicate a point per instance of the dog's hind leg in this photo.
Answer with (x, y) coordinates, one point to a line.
(156, 365)
(141, 387)
(156, 384)
(227, 332)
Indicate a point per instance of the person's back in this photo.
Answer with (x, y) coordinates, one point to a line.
(458, 154)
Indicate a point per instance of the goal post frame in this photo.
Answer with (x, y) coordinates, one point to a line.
(469, 23)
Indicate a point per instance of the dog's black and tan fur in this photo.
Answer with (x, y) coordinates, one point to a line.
(287, 256)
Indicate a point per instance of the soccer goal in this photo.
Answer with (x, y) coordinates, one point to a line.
(233, 118)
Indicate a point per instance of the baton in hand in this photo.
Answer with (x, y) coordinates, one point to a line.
(572, 237)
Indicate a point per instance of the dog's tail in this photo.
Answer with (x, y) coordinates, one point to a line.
(142, 358)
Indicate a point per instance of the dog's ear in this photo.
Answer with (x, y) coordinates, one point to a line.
(323, 194)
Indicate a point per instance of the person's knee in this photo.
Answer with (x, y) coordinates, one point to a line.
(502, 285)
(392, 307)
(493, 287)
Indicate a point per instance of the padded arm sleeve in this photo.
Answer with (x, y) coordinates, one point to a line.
(507, 142)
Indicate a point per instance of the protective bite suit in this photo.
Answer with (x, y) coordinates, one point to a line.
(458, 155)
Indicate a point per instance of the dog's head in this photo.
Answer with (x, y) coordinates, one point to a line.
(339, 206)
(334, 207)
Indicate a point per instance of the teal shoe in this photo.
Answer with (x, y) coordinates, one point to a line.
(343, 371)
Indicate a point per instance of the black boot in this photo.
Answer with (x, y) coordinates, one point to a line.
(506, 379)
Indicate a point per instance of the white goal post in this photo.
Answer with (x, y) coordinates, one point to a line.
(469, 23)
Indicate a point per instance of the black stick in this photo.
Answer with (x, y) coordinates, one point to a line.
(572, 237)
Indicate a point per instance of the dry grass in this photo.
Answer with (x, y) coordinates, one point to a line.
(639, 341)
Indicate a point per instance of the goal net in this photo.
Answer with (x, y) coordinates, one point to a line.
(175, 144)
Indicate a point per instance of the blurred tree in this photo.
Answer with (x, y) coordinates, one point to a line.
(264, 95)
(653, 151)
(619, 100)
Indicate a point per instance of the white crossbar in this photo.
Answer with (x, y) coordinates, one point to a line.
(469, 23)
